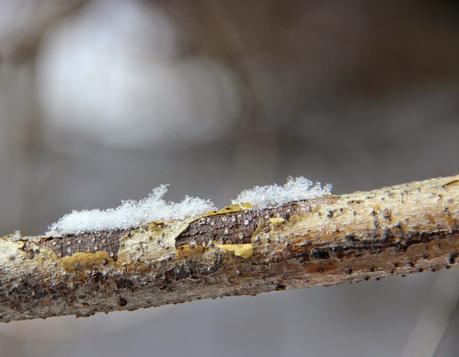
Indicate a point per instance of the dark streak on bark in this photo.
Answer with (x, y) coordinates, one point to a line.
(89, 242)
(399, 242)
(234, 228)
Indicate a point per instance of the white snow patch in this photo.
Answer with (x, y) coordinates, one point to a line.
(295, 189)
(131, 214)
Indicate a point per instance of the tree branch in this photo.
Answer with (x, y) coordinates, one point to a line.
(236, 251)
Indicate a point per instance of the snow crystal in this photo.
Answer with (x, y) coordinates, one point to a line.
(295, 189)
(131, 214)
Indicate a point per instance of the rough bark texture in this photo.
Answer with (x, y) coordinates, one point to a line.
(236, 251)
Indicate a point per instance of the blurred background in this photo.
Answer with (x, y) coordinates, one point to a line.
(104, 100)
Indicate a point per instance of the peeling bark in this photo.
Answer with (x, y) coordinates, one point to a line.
(235, 251)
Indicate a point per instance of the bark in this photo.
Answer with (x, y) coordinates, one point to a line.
(235, 251)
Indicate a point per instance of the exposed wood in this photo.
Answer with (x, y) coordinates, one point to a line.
(236, 251)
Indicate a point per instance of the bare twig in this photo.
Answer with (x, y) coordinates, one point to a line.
(236, 251)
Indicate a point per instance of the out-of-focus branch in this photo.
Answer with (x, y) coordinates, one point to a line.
(236, 251)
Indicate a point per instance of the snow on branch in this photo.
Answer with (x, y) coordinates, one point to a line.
(131, 214)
